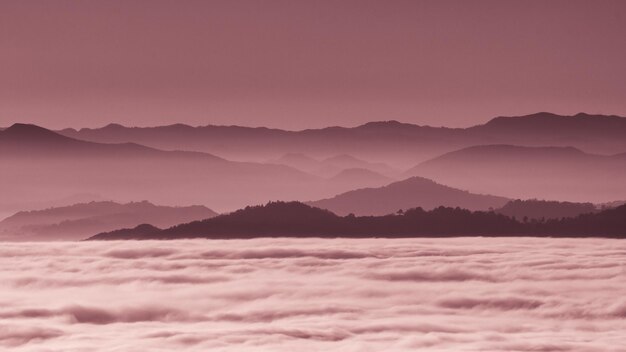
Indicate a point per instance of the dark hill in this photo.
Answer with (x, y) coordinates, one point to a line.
(34, 141)
(293, 219)
(541, 209)
(275, 218)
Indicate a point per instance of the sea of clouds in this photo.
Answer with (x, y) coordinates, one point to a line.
(465, 294)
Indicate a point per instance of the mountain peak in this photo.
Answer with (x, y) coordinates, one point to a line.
(24, 127)
(30, 131)
(406, 194)
(385, 124)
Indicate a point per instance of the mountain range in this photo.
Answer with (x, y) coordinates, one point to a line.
(51, 165)
(374, 169)
(395, 143)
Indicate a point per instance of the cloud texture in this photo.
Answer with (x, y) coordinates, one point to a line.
(470, 294)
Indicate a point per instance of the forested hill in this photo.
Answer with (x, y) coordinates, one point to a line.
(294, 219)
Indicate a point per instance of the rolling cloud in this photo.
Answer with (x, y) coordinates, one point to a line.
(469, 294)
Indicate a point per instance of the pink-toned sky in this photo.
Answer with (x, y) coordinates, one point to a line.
(298, 64)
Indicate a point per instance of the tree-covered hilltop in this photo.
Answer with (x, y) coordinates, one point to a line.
(544, 209)
(295, 219)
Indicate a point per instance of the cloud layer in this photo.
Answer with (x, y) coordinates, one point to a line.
(470, 294)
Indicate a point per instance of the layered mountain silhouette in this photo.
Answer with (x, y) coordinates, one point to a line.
(600, 134)
(332, 166)
(345, 161)
(8, 207)
(76, 221)
(49, 165)
(355, 178)
(561, 173)
(397, 143)
(301, 162)
(341, 172)
(546, 156)
(410, 193)
(294, 219)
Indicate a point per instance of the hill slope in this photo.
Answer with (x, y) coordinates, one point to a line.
(78, 221)
(280, 219)
(56, 166)
(355, 178)
(333, 165)
(406, 194)
(560, 173)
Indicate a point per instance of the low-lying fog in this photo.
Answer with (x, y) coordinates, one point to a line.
(469, 294)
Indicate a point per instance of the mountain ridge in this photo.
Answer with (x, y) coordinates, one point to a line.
(559, 173)
(395, 142)
(295, 219)
(409, 193)
(127, 171)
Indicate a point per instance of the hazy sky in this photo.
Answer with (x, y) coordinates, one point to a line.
(297, 64)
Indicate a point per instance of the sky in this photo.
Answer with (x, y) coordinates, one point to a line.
(305, 64)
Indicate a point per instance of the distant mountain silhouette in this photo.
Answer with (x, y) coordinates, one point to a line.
(79, 220)
(591, 133)
(410, 193)
(332, 166)
(299, 161)
(10, 206)
(26, 139)
(345, 161)
(541, 209)
(46, 163)
(355, 178)
(293, 219)
(399, 144)
(508, 156)
(560, 173)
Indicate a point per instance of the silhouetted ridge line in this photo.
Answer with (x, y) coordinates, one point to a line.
(294, 219)
(544, 119)
(514, 150)
(562, 173)
(398, 144)
(35, 140)
(29, 132)
(410, 193)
